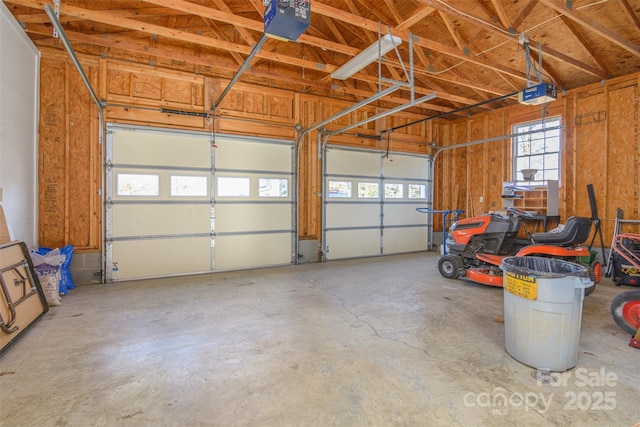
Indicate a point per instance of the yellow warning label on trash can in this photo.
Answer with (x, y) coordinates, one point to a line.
(521, 285)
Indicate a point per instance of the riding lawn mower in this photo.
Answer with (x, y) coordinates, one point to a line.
(476, 246)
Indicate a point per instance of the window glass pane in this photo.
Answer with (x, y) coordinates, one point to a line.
(537, 162)
(522, 163)
(137, 185)
(234, 187)
(417, 191)
(537, 148)
(188, 185)
(553, 144)
(554, 133)
(273, 187)
(368, 189)
(339, 189)
(393, 191)
(551, 159)
(551, 174)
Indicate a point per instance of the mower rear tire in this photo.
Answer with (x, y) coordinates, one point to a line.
(625, 309)
(450, 266)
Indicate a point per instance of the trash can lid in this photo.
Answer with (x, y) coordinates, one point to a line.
(544, 267)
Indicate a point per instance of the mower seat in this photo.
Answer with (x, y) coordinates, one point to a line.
(576, 231)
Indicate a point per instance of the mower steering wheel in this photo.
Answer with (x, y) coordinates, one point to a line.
(519, 212)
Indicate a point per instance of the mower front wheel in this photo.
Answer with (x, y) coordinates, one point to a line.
(450, 266)
(625, 310)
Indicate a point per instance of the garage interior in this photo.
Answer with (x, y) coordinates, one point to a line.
(257, 230)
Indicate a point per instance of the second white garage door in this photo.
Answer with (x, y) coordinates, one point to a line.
(369, 203)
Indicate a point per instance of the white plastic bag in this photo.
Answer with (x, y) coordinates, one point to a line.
(48, 270)
(49, 277)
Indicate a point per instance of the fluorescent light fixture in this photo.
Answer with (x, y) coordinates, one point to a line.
(367, 56)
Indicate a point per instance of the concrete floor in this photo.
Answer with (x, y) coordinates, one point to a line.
(372, 342)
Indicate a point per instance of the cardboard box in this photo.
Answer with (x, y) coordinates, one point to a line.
(4, 228)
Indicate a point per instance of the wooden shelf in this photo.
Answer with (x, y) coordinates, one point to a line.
(539, 200)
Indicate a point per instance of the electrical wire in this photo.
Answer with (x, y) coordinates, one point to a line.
(388, 145)
(435, 73)
(475, 18)
(457, 110)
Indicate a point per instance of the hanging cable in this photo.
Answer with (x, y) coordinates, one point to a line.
(213, 128)
(457, 110)
(388, 145)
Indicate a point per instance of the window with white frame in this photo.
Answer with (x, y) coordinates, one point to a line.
(537, 147)
(234, 187)
(367, 190)
(189, 185)
(339, 189)
(417, 191)
(273, 187)
(393, 191)
(136, 184)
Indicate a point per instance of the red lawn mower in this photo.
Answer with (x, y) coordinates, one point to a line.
(476, 246)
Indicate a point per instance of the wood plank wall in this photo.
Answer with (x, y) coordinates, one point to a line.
(600, 146)
(68, 156)
(70, 210)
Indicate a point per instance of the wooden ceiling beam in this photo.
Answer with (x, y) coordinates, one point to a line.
(107, 18)
(394, 11)
(167, 54)
(247, 23)
(502, 14)
(585, 44)
(547, 69)
(490, 27)
(453, 31)
(417, 41)
(632, 14)
(42, 18)
(334, 30)
(258, 6)
(380, 15)
(524, 13)
(592, 25)
(432, 83)
(418, 16)
(461, 44)
(246, 35)
(107, 42)
(211, 24)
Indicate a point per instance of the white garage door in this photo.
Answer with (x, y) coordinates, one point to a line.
(253, 203)
(175, 205)
(369, 203)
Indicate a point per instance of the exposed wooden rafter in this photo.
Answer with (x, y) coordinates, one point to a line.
(466, 51)
(592, 25)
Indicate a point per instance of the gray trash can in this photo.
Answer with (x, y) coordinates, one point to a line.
(543, 311)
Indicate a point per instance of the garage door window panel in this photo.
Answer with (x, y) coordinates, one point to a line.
(417, 191)
(393, 191)
(368, 190)
(233, 187)
(339, 189)
(273, 187)
(189, 186)
(129, 184)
